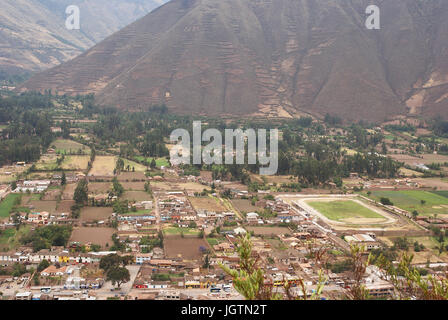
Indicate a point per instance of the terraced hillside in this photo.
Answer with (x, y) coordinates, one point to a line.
(270, 57)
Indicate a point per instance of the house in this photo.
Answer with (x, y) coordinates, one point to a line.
(24, 295)
(38, 218)
(53, 271)
(363, 239)
(252, 217)
(142, 258)
(224, 246)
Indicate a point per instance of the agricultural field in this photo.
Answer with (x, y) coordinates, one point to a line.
(424, 158)
(131, 176)
(411, 200)
(7, 204)
(7, 178)
(63, 146)
(10, 238)
(213, 241)
(244, 205)
(64, 206)
(441, 193)
(344, 211)
(39, 206)
(133, 186)
(178, 231)
(99, 187)
(409, 173)
(134, 165)
(159, 161)
(207, 203)
(26, 198)
(103, 166)
(171, 186)
(69, 191)
(435, 183)
(89, 214)
(139, 213)
(189, 248)
(75, 163)
(52, 193)
(136, 196)
(47, 163)
(40, 175)
(10, 173)
(268, 231)
(101, 236)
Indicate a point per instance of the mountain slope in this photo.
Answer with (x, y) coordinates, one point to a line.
(270, 57)
(33, 36)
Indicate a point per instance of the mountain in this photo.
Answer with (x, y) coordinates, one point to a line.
(270, 57)
(33, 36)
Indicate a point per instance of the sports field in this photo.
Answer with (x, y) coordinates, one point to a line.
(410, 200)
(341, 210)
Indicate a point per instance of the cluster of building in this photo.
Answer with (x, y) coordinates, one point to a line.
(32, 186)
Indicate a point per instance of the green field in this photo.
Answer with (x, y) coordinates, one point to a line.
(63, 146)
(7, 204)
(178, 231)
(10, 238)
(410, 200)
(139, 213)
(212, 241)
(340, 210)
(159, 162)
(47, 166)
(6, 235)
(137, 166)
(441, 193)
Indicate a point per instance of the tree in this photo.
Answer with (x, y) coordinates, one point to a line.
(386, 202)
(117, 187)
(153, 163)
(110, 261)
(113, 260)
(415, 214)
(206, 264)
(409, 282)
(249, 279)
(44, 264)
(358, 291)
(119, 165)
(63, 179)
(118, 275)
(81, 193)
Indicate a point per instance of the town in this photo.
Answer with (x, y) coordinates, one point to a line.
(97, 211)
